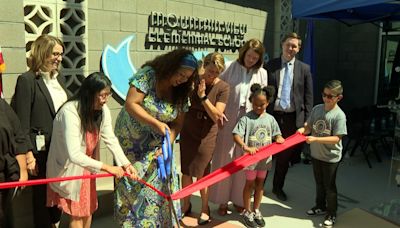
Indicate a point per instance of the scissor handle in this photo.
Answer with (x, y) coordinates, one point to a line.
(168, 158)
(164, 162)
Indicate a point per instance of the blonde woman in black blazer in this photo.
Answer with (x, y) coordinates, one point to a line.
(39, 93)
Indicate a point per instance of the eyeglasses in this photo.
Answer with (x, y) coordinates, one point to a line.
(57, 54)
(329, 96)
(105, 95)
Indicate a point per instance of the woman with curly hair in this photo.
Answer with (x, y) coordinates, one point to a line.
(156, 102)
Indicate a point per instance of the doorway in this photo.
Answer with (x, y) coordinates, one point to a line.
(389, 70)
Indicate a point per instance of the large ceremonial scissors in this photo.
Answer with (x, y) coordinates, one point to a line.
(165, 172)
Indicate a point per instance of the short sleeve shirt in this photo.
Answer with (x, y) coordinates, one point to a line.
(257, 131)
(327, 123)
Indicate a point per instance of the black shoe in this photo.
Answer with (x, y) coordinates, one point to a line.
(280, 194)
(316, 211)
(248, 219)
(259, 219)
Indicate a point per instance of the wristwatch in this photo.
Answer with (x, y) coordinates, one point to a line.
(203, 98)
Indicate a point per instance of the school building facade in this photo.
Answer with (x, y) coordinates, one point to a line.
(158, 26)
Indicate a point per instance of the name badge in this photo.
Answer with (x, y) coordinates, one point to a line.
(40, 143)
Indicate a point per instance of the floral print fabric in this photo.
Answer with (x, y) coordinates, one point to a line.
(135, 204)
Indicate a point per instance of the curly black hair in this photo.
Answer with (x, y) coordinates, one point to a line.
(256, 90)
(166, 65)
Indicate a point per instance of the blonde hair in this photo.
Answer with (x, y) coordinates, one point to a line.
(257, 46)
(41, 49)
(213, 58)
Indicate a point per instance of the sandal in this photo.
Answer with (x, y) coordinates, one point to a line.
(201, 221)
(223, 209)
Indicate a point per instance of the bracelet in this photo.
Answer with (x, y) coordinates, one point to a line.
(203, 98)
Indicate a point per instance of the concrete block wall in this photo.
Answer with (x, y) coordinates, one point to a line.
(12, 41)
(109, 22)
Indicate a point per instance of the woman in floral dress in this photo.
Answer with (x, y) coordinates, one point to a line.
(156, 102)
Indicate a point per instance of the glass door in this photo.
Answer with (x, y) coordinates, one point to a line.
(388, 96)
(389, 73)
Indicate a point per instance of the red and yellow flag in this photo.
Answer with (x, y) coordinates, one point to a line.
(2, 69)
(2, 63)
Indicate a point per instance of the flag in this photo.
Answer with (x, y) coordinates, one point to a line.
(2, 63)
(2, 69)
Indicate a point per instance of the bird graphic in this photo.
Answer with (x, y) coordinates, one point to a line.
(118, 67)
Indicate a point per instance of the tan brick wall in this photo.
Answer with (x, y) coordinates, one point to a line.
(108, 22)
(111, 21)
(12, 42)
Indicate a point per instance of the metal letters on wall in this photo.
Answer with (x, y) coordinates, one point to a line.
(173, 30)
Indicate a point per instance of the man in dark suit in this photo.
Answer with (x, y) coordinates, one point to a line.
(294, 100)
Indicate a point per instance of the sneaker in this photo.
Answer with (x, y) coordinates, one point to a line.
(248, 219)
(259, 219)
(329, 221)
(316, 211)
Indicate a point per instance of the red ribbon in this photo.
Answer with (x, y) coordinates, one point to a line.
(14, 184)
(238, 164)
(204, 182)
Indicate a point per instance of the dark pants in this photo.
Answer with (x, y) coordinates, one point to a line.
(5, 208)
(43, 216)
(325, 181)
(287, 125)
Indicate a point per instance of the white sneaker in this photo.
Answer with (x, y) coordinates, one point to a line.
(259, 219)
(329, 221)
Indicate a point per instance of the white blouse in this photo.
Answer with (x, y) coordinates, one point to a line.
(57, 93)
